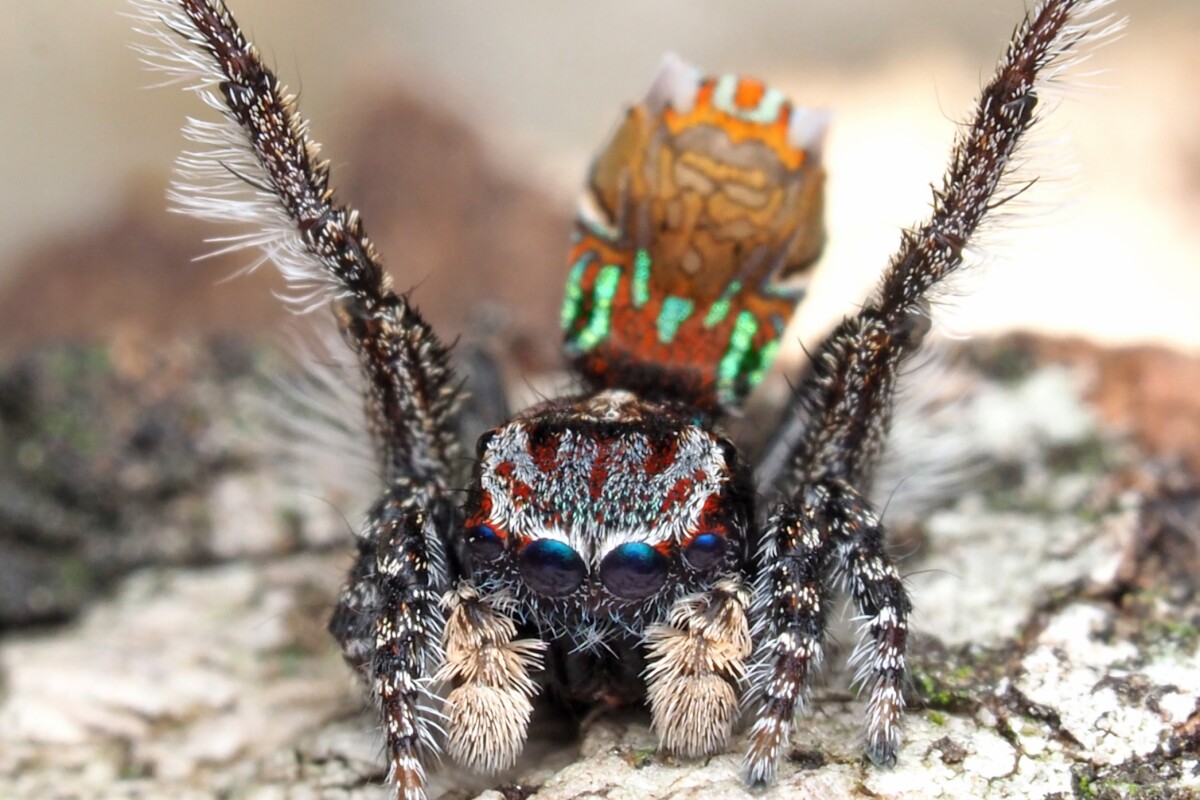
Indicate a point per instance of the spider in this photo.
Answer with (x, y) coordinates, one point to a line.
(612, 545)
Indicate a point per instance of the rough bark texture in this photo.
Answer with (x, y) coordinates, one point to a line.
(1057, 656)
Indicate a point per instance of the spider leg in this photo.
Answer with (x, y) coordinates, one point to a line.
(388, 622)
(883, 605)
(846, 398)
(260, 168)
(845, 403)
(828, 530)
(697, 659)
(790, 605)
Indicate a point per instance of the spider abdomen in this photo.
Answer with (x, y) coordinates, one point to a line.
(706, 199)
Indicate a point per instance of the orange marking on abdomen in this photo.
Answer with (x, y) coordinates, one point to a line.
(749, 93)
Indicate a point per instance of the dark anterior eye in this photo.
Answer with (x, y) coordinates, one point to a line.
(633, 571)
(485, 543)
(705, 551)
(551, 568)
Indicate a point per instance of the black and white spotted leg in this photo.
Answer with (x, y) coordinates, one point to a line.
(826, 531)
(258, 170)
(843, 409)
(791, 607)
(389, 624)
(883, 606)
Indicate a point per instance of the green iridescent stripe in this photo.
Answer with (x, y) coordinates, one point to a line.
(740, 345)
(793, 293)
(675, 311)
(720, 309)
(641, 278)
(573, 295)
(596, 330)
(766, 357)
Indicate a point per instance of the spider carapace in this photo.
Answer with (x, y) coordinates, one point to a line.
(612, 545)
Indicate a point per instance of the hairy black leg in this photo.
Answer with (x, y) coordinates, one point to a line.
(389, 624)
(260, 169)
(883, 606)
(846, 399)
(845, 402)
(486, 407)
(827, 527)
(791, 607)
(828, 530)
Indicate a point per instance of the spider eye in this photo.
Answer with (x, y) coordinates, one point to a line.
(705, 551)
(551, 568)
(485, 543)
(633, 571)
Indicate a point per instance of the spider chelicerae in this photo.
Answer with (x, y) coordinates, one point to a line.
(613, 545)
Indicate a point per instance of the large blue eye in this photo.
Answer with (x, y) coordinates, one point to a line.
(551, 568)
(634, 571)
(705, 551)
(485, 543)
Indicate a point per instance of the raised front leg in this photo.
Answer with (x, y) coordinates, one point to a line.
(844, 406)
(259, 169)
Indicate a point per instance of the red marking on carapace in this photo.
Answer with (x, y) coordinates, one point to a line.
(677, 495)
(599, 476)
(712, 506)
(662, 456)
(545, 453)
(517, 488)
(484, 515)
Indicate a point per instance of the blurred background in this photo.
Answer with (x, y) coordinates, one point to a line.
(462, 129)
